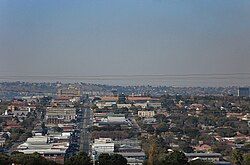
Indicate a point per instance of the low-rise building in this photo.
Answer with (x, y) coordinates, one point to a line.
(146, 114)
(142, 105)
(116, 118)
(41, 144)
(102, 145)
(20, 104)
(104, 104)
(213, 157)
(73, 93)
(124, 106)
(203, 148)
(10, 124)
(155, 104)
(55, 116)
(134, 158)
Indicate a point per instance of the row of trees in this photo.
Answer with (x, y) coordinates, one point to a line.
(79, 159)
(24, 159)
(103, 159)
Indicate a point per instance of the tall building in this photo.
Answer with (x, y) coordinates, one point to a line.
(243, 91)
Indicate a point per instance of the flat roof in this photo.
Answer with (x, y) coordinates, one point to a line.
(132, 154)
(43, 151)
(203, 154)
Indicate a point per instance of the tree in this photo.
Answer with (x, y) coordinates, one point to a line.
(114, 159)
(237, 157)
(149, 128)
(192, 132)
(221, 147)
(244, 129)
(80, 159)
(191, 121)
(5, 159)
(104, 159)
(161, 118)
(176, 158)
(226, 132)
(118, 159)
(24, 136)
(162, 127)
(30, 159)
(166, 101)
(246, 159)
(45, 101)
(152, 153)
(186, 148)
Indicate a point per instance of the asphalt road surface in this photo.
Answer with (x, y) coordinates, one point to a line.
(85, 134)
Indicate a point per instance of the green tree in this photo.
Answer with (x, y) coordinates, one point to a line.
(237, 157)
(162, 127)
(114, 159)
(104, 159)
(30, 159)
(161, 118)
(186, 148)
(5, 159)
(118, 159)
(79, 159)
(149, 128)
(192, 132)
(175, 158)
(246, 159)
(226, 132)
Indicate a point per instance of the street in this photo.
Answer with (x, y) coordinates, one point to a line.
(85, 135)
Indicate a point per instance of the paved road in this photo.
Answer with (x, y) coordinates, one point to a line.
(85, 134)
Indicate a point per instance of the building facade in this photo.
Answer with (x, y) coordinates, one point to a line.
(60, 115)
(147, 114)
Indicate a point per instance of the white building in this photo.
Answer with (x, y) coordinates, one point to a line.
(142, 105)
(124, 106)
(102, 145)
(104, 104)
(147, 114)
(41, 145)
(213, 157)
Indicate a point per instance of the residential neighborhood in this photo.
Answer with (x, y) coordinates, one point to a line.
(140, 128)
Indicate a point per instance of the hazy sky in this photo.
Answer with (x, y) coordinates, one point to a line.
(125, 37)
